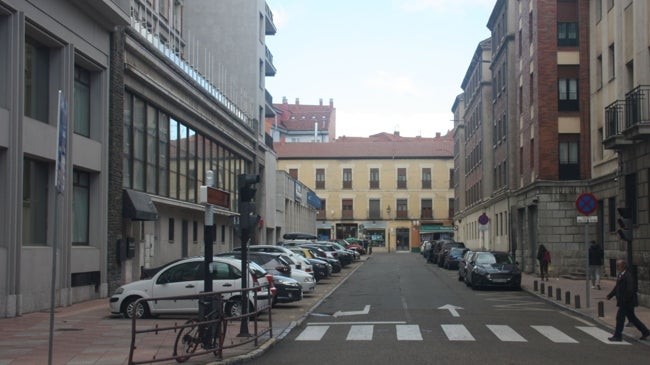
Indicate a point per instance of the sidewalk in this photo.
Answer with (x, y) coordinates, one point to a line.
(578, 288)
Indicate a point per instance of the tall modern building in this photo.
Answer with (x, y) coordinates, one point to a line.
(55, 65)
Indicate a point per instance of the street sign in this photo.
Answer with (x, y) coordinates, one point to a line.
(586, 203)
(587, 219)
(483, 219)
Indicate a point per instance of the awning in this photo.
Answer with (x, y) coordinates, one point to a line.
(138, 206)
(435, 228)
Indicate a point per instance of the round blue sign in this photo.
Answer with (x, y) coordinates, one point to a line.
(483, 219)
(586, 203)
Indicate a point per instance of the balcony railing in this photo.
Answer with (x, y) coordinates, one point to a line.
(637, 106)
(615, 125)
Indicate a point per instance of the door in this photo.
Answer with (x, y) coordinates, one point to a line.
(402, 237)
(183, 279)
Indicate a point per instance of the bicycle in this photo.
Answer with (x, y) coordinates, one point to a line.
(207, 331)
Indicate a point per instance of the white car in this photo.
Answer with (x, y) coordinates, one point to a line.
(278, 249)
(305, 279)
(186, 277)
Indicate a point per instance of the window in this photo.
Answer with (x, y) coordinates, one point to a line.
(374, 178)
(569, 168)
(321, 214)
(294, 173)
(567, 34)
(451, 203)
(35, 197)
(612, 62)
(80, 207)
(151, 150)
(81, 101)
(374, 209)
(401, 178)
(347, 178)
(170, 230)
(426, 178)
(195, 231)
(320, 178)
(568, 94)
(37, 80)
(347, 209)
(402, 209)
(599, 71)
(451, 178)
(427, 209)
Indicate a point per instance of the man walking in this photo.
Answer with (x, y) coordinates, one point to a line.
(595, 264)
(626, 300)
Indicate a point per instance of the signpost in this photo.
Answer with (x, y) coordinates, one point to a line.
(483, 221)
(586, 204)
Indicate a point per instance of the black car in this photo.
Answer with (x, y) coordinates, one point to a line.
(452, 259)
(287, 289)
(462, 264)
(445, 248)
(493, 269)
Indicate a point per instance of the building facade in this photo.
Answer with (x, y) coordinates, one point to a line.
(395, 193)
(303, 122)
(54, 236)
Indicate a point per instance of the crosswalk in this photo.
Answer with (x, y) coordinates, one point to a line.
(365, 331)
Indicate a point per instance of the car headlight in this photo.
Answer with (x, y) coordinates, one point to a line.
(119, 291)
(282, 281)
(309, 280)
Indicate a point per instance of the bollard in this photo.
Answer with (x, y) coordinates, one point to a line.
(567, 297)
(541, 288)
(577, 300)
(535, 285)
(558, 294)
(601, 309)
(550, 291)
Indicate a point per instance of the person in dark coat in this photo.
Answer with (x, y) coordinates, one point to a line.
(544, 258)
(626, 300)
(595, 264)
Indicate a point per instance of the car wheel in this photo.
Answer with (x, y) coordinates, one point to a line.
(131, 310)
(460, 278)
(472, 283)
(233, 307)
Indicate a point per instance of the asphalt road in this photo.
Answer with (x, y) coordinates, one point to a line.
(396, 309)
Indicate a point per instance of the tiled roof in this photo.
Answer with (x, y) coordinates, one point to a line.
(298, 117)
(438, 148)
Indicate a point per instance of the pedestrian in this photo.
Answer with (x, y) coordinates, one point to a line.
(544, 258)
(626, 300)
(595, 264)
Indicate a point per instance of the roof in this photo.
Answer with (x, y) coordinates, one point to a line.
(299, 117)
(438, 148)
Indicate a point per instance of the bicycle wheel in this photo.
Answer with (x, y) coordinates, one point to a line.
(187, 341)
(220, 336)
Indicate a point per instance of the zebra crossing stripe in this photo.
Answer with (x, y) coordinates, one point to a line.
(600, 335)
(554, 334)
(312, 333)
(360, 333)
(408, 332)
(505, 333)
(457, 332)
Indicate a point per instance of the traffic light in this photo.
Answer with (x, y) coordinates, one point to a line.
(625, 224)
(246, 184)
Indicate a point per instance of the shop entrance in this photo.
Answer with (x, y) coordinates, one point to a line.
(402, 239)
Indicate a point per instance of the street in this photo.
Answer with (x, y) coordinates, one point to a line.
(398, 308)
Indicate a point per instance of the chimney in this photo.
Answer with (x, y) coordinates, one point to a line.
(320, 101)
(284, 100)
(396, 133)
(331, 103)
(437, 134)
(297, 101)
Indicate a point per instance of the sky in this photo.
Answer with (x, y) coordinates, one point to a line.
(388, 65)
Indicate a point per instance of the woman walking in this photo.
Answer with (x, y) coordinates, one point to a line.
(544, 258)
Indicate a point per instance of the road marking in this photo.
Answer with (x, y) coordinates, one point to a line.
(360, 333)
(452, 309)
(365, 310)
(554, 334)
(575, 318)
(352, 323)
(506, 333)
(408, 332)
(312, 333)
(600, 335)
(457, 332)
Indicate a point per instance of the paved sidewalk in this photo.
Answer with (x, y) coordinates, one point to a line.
(532, 283)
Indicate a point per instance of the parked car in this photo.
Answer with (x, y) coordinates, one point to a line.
(344, 256)
(317, 253)
(287, 290)
(452, 259)
(444, 251)
(186, 277)
(149, 272)
(493, 269)
(355, 254)
(425, 249)
(276, 249)
(462, 264)
(353, 244)
(322, 269)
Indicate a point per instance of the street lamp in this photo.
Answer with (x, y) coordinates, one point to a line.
(388, 218)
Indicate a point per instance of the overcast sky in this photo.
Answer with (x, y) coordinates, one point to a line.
(387, 64)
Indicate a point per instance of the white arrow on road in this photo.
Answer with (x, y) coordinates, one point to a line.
(365, 310)
(452, 309)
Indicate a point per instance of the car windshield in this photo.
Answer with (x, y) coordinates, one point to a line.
(493, 258)
(457, 251)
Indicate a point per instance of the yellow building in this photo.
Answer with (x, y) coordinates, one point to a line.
(392, 190)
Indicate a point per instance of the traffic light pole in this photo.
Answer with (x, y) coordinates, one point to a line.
(245, 184)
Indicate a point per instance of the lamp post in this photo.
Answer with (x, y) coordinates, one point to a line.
(387, 219)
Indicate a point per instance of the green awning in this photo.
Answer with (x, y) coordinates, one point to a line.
(435, 228)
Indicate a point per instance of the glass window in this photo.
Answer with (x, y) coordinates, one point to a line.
(81, 101)
(127, 137)
(163, 157)
(402, 208)
(426, 178)
(401, 178)
(374, 209)
(37, 80)
(80, 208)
(374, 178)
(152, 149)
(320, 178)
(35, 202)
(347, 178)
(139, 144)
(174, 142)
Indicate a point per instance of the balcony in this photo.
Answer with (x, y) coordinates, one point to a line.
(614, 126)
(269, 69)
(637, 113)
(269, 28)
(269, 112)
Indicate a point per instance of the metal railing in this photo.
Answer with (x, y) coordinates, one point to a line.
(157, 342)
(637, 106)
